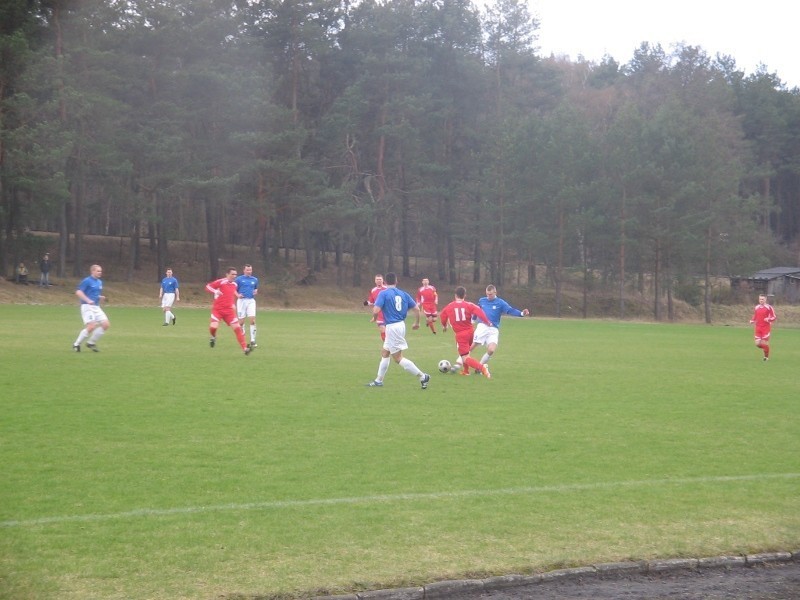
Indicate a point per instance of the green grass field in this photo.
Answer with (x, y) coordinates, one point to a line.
(161, 469)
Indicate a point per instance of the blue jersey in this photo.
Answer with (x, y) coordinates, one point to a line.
(247, 285)
(169, 285)
(93, 288)
(394, 304)
(494, 309)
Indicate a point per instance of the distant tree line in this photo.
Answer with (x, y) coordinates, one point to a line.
(385, 130)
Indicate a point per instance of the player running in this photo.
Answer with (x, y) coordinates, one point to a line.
(224, 307)
(95, 321)
(428, 300)
(247, 286)
(395, 304)
(763, 317)
(370, 301)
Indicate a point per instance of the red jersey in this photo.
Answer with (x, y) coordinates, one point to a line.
(763, 316)
(373, 294)
(427, 298)
(224, 293)
(459, 315)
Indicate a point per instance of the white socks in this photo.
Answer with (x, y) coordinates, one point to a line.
(96, 335)
(382, 368)
(410, 366)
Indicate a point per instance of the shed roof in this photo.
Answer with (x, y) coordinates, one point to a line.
(776, 272)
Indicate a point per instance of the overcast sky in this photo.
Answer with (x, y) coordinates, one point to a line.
(765, 32)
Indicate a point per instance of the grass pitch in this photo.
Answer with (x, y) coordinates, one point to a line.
(160, 468)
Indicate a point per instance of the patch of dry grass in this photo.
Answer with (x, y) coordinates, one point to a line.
(288, 287)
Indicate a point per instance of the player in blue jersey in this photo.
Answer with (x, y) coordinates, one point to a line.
(169, 293)
(95, 321)
(494, 307)
(394, 303)
(247, 286)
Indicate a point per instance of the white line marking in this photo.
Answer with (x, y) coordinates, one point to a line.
(277, 504)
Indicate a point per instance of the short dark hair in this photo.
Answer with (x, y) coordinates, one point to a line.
(461, 292)
(391, 278)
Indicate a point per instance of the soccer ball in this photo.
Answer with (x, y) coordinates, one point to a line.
(445, 366)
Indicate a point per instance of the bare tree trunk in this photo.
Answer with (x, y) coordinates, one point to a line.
(77, 221)
(586, 283)
(63, 237)
(657, 282)
(765, 192)
(559, 259)
(134, 248)
(405, 210)
(707, 281)
(213, 236)
(451, 255)
(670, 304)
(162, 242)
(622, 255)
(476, 259)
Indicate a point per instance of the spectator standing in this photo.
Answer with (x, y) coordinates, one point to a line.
(44, 270)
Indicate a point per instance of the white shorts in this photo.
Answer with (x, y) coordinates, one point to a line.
(91, 313)
(246, 307)
(485, 335)
(395, 337)
(167, 300)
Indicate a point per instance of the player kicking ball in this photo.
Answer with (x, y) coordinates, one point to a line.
(223, 309)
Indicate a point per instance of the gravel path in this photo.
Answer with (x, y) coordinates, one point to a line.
(760, 582)
(773, 576)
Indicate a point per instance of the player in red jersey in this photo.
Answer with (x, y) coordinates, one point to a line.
(763, 317)
(428, 300)
(459, 315)
(370, 301)
(223, 309)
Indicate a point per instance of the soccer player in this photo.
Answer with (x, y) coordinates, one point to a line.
(395, 304)
(95, 321)
(370, 301)
(763, 317)
(494, 307)
(224, 307)
(428, 300)
(459, 315)
(169, 293)
(246, 304)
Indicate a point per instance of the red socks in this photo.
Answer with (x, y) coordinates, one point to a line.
(240, 337)
(471, 362)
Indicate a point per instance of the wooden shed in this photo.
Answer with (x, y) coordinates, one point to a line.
(780, 283)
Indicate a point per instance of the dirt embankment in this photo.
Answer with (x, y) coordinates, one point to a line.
(290, 287)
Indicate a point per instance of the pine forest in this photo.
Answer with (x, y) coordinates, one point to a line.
(367, 135)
